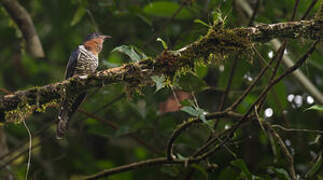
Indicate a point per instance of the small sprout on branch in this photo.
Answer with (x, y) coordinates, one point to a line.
(199, 21)
(163, 43)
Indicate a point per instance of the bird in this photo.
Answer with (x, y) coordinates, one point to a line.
(83, 60)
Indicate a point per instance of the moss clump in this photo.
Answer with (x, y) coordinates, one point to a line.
(223, 42)
(44, 107)
(20, 114)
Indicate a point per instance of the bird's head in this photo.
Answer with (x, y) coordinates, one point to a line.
(94, 41)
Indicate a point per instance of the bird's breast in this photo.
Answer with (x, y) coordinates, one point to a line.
(87, 62)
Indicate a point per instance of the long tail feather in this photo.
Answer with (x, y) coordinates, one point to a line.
(68, 107)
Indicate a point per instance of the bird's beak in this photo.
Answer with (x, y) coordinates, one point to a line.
(104, 37)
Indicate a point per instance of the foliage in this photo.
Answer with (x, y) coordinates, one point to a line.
(117, 130)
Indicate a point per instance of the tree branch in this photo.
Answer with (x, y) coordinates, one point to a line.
(26, 26)
(220, 42)
(141, 164)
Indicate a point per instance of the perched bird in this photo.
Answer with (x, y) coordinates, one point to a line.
(83, 60)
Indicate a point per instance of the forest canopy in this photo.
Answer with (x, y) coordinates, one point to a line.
(185, 89)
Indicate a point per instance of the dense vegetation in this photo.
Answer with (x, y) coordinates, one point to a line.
(189, 121)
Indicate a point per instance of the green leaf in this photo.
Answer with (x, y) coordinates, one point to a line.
(159, 81)
(166, 9)
(199, 21)
(281, 173)
(181, 157)
(80, 12)
(129, 51)
(196, 112)
(243, 167)
(218, 17)
(163, 43)
(315, 167)
(315, 107)
(190, 110)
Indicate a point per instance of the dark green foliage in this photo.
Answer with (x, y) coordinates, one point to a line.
(125, 124)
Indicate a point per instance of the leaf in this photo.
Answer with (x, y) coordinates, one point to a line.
(129, 51)
(196, 112)
(199, 21)
(243, 167)
(78, 15)
(281, 173)
(181, 157)
(315, 107)
(163, 43)
(218, 17)
(159, 81)
(142, 54)
(166, 9)
(190, 110)
(316, 166)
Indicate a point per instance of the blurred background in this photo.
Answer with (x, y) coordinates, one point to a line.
(112, 128)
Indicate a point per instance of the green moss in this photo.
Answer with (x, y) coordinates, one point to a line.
(20, 114)
(44, 107)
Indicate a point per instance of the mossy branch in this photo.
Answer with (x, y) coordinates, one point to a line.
(218, 42)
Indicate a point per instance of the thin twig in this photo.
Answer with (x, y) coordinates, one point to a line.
(254, 13)
(282, 145)
(141, 164)
(298, 75)
(165, 25)
(29, 149)
(250, 87)
(180, 128)
(279, 57)
(5, 91)
(228, 88)
(95, 25)
(296, 130)
(270, 85)
(153, 162)
(3, 165)
(115, 126)
(309, 9)
(294, 10)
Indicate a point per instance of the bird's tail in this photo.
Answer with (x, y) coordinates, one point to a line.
(68, 107)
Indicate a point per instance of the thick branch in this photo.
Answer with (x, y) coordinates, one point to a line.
(220, 42)
(26, 26)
